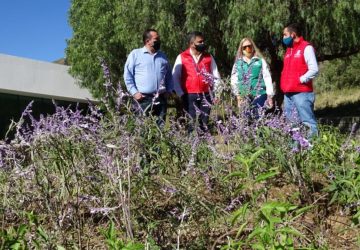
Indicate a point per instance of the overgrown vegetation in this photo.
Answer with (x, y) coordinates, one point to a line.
(337, 87)
(111, 29)
(339, 74)
(339, 97)
(115, 180)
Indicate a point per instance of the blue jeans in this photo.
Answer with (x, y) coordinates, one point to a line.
(301, 105)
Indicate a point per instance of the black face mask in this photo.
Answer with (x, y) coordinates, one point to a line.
(156, 45)
(200, 47)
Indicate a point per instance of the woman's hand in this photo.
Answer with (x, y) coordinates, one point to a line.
(240, 101)
(270, 101)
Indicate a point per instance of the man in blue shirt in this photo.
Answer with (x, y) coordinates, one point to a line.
(148, 76)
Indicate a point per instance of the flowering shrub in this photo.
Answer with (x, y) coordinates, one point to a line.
(109, 177)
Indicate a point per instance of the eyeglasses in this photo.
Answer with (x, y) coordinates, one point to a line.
(247, 46)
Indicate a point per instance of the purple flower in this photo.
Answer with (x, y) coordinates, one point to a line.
(170, 190)
(235, 203)
(297, 136)
(208, 77)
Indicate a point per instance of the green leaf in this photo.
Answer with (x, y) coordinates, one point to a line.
(42, 233)
(357, 160)
(346, 182)
(134, 246)
(22, 231)
(239, 212)
(33, 220)
(302, 210)
(258, 246)
(242, 159)
(256, 232)
(241, 228)
(235, 174)
(256, 155)
(265, 176)
(289, 230)
(15, 246)
(334, 197)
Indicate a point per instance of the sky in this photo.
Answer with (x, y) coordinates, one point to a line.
(35, 29)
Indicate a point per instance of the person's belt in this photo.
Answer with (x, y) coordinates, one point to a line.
(151, 95)
(148, 95)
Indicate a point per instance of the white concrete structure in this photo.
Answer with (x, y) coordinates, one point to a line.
(26, 77)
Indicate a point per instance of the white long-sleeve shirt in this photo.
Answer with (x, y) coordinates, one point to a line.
(177, 71)
(311, 62)
(266, 76)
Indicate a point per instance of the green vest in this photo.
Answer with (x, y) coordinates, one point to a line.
(250, 77)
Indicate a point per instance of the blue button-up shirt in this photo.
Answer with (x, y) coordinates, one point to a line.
(147, 73)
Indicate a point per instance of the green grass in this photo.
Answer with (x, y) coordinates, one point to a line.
(336, 98)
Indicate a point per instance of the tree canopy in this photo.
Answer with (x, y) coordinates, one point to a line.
(110, 29)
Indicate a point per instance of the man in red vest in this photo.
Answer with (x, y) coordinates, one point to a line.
(300, 68)
(195, 75)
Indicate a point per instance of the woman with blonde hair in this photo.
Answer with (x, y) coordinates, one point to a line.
(250, 78)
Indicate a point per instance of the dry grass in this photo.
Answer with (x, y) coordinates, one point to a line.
(333, 99)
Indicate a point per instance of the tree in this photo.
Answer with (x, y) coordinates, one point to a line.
(339, 74)
(110, 29)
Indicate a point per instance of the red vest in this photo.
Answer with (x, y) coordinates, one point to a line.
(191, 79)
(294, 67)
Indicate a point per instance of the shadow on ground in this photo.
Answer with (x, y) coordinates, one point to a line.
(346, 117)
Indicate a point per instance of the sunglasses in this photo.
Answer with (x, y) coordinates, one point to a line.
(247, 46)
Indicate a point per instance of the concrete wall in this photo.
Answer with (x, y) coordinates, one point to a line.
(21, 76)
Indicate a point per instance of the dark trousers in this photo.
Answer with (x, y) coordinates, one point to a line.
(256, 103)
(201, 103)
(155, 107)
